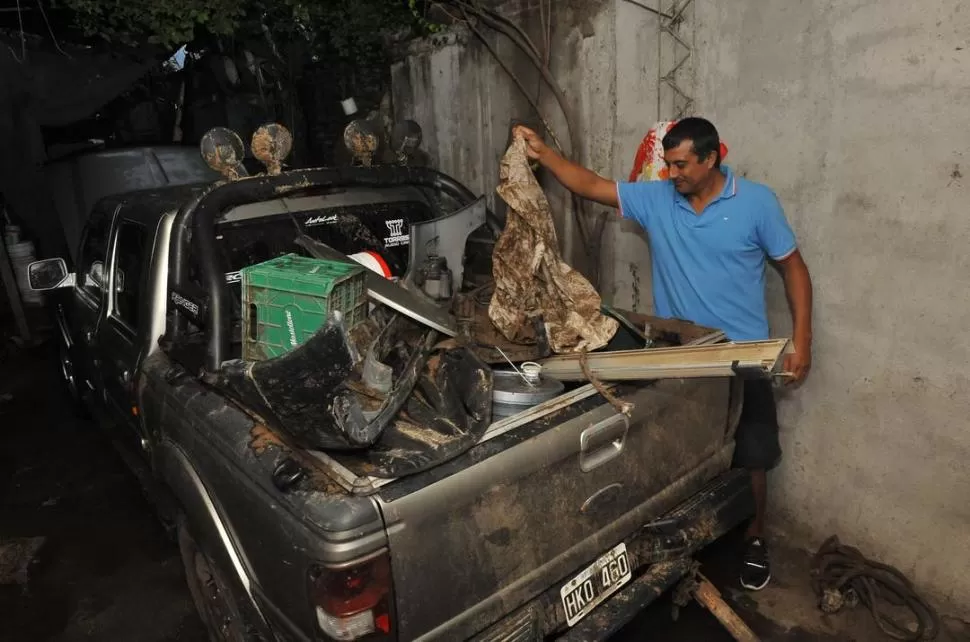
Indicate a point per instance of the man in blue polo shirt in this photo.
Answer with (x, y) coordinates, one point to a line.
(710, 233)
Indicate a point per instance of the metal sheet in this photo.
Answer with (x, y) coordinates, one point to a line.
(717, 360)
(391, 294)
(446, 237)
(411, 305)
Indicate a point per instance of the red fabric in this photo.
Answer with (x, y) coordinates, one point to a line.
(646, 149)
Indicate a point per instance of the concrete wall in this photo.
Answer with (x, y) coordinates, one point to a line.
(463, 100)
(858, 115)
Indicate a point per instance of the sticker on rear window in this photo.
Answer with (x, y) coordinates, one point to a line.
(320, 220)
(395, 229)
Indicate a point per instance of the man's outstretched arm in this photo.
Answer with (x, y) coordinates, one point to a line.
(576, 178)
(798, 288)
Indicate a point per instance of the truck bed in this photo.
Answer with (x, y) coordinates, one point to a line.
(543, 493)
(352, 473)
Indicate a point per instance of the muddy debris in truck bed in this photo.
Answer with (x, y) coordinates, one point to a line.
(390, 392)
(446, 415)
(471, 309)
(531, 279)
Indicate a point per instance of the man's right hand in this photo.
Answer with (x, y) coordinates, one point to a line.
(535, 147)
(576, 178)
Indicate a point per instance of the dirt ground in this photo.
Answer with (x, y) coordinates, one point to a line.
(82, 556)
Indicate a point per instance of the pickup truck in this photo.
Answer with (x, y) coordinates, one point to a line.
(560, 522)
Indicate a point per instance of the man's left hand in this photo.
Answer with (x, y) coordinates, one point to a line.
(799, 362)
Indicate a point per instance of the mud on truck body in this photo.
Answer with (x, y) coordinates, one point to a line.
(308, 508)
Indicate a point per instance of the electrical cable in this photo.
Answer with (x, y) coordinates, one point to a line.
(515, 79)
(521, 39)
(23, 38)
(650, 9)
(50, 30)
(514, 33)
(842, 576)
(517, 35)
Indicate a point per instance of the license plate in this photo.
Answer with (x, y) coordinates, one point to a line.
(590, 588)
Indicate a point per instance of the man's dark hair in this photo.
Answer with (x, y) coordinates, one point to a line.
(701, 132)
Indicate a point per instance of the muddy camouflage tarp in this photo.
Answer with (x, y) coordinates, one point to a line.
(531, 279)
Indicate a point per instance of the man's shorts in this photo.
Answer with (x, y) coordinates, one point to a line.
(756, 439)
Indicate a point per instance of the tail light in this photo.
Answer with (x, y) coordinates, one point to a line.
(353, 602)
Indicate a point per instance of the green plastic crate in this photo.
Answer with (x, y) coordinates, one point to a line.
(287, 299)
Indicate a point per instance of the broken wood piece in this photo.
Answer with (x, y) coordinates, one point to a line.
(714, 337)
(717, 360)
(668, 330)
(709, 597)
(626, 323)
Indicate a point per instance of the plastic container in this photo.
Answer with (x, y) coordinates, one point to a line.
(287, 299)
(21, 256)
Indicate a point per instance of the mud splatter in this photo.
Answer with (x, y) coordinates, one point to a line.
(304, 183)
(271, 144)
(261, 438)
(635, 285)
(955, 175)
(432, 438)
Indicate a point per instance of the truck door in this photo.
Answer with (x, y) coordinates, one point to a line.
(121, 340)
(84, 311)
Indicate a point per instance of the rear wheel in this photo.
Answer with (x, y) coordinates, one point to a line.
(214, 596)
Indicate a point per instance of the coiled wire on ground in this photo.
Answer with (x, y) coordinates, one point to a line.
(843, 577)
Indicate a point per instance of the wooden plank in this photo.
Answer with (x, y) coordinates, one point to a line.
(710, 598)
(714, 337)
(715, 360)
(664, 329)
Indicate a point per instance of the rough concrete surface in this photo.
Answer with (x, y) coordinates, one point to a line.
(786, 611)
(856, 113)
(106, 569)
(465, 103)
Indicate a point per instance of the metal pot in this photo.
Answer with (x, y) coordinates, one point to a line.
(511, 394)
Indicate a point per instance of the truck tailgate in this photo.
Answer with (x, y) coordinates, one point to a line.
(475, 538)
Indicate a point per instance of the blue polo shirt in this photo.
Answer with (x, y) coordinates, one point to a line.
(709, 268)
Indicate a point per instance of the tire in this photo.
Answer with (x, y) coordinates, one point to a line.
(217, 601)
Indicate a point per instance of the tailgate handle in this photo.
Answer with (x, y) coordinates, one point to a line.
(602, 442)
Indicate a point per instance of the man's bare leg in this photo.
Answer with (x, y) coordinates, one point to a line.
(759, 488)
(756, 568)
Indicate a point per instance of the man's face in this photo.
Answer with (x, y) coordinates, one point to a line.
(688, 172)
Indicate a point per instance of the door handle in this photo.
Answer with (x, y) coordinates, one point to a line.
(88, 336)
(602, 442)
(125, 377)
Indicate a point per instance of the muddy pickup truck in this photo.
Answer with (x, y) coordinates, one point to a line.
(559, 521)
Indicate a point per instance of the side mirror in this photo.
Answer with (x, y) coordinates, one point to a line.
(49, 274)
